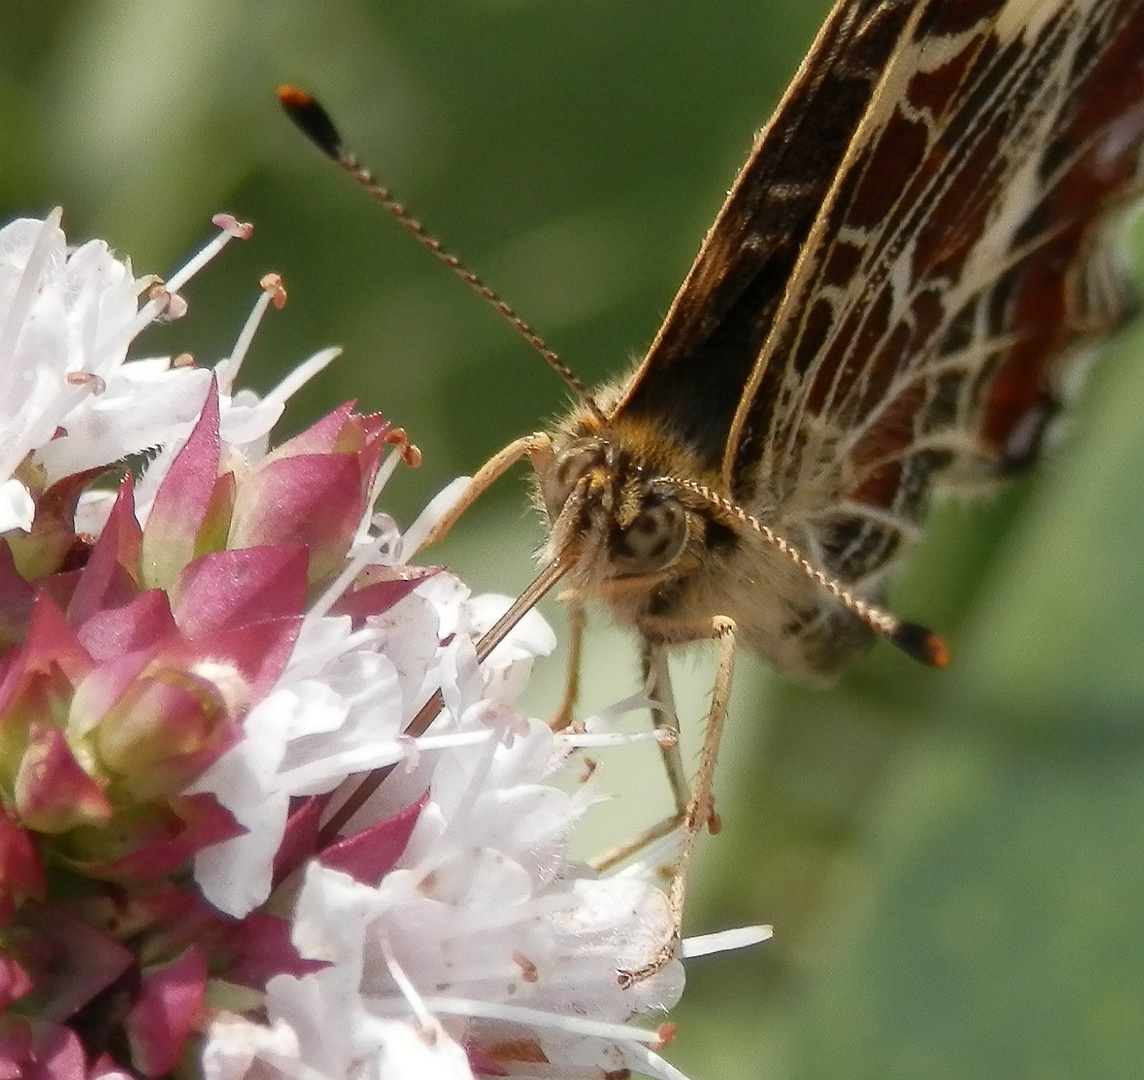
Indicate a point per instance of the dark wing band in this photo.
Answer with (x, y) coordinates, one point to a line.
(693, 377)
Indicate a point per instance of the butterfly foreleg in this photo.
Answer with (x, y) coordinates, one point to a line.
(577, 620)
(695, 808)
(537, 448)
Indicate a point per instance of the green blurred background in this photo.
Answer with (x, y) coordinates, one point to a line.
(952, 860)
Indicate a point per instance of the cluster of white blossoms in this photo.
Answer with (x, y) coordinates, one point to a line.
(199, 666)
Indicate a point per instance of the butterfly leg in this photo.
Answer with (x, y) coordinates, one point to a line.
(537, 448)
(697, 806)
(657, 683)
(577, 620)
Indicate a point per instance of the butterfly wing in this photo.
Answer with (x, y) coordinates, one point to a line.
(692, 380)
(890, 293)
(956, 267)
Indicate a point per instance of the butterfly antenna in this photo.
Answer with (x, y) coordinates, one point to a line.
(317, 126)
(914, 640)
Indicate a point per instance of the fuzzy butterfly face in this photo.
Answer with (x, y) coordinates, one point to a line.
(888, 304)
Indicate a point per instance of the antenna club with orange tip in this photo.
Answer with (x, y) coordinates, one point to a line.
(313, 121)
(921, 643)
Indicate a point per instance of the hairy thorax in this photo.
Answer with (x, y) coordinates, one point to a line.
(626, 508)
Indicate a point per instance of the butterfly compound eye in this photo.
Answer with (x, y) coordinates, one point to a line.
(567, 471)
(653, 540)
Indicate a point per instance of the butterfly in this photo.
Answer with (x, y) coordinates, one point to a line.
(889, 303)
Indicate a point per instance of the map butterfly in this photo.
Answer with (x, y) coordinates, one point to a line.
(919, 248)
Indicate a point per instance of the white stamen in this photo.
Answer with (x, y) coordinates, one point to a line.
(361, 759)
(358, 559)
(585, 740)
(387, 468)
(607, 716)
(227, 370)
(656, 855)
(437, 508)
(741, 937)
(301, 375)
(429, 1024)
(196, 262)
(153, 308)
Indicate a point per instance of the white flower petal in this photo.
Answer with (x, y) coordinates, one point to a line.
(233, 1044)
(16, 506)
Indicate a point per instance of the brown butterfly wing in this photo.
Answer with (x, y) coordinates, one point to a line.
(692, 379)
(888, 295)
(955, 268)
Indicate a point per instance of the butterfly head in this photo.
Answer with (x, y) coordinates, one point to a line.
(620, 517)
